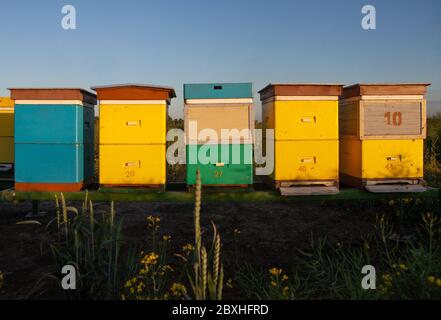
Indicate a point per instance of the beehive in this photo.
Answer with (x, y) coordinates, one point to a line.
(382, 128)
(6, 130)
(304, 121)
(219, 124)
(132, 134)
(54, 144)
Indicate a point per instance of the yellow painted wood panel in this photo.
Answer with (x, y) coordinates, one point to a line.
(132, 164)
(301, 120)
(6, 102)
(133, 124)
(214, 119)
(306, 160)
(392, 159)
(6, 123)
(6, 150)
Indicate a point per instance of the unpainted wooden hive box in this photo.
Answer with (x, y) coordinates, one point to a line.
(382, 128)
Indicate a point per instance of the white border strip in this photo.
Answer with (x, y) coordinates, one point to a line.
(301, 98)
(6, 109)
(393, 97)
(218, 101)
(62, 102)
(134, 102)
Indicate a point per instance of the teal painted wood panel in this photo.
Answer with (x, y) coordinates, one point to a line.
(220, 164)
(218, 91)
(52, 163)
(53, 124)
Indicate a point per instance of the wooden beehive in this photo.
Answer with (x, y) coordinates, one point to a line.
(382, 127)
(222, 116)
(54, 138)
(383, 111)
(304, 118)
(6, 130)
(132, 134)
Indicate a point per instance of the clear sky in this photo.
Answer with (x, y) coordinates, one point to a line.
(174, 42)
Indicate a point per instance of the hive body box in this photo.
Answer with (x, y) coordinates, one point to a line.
(382, 127)
(224, 154)
(132, 134)
(6, 130)
(54, 139)
(304, 118)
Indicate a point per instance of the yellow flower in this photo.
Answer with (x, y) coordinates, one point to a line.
(178, 289)
(438, 282)
(273, 283)
(188, 248)
(286, 289)
(387, 279)
(275, 271)
(229, 283)
(431, 279)
(150, 259)
(236, 231)
(391, 203)
(153, 222)
(166, 238)
(403, 267)
(285, 277)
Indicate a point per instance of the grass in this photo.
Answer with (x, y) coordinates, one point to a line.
(405, 269)
(404, 246)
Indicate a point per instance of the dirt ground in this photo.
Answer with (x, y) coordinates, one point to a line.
(269, 234)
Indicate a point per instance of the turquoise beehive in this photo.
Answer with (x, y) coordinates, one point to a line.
(54, 145)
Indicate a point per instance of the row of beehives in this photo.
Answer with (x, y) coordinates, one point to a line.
(365, 135)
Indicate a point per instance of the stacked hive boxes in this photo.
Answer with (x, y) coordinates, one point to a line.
(219, 124)
(382, 127)
(6, 130)
(304, 118)
(132, 134)
(53, 139)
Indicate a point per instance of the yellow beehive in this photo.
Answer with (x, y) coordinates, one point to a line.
(6, 130)
(132, 134)
(304, 120)
(382, 127)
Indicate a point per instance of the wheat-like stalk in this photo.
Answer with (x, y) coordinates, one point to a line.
(204, 272)
(221, 283)
(57, 206)
(197, 216)
(65, 218)
(216, 260)
(92, 227)
(85, 202)
(112, 214)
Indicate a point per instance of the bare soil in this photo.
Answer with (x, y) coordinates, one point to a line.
(270, 234)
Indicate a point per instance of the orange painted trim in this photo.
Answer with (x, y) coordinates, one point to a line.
(54, 187)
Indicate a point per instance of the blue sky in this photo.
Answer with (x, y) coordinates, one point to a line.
(175, 42)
